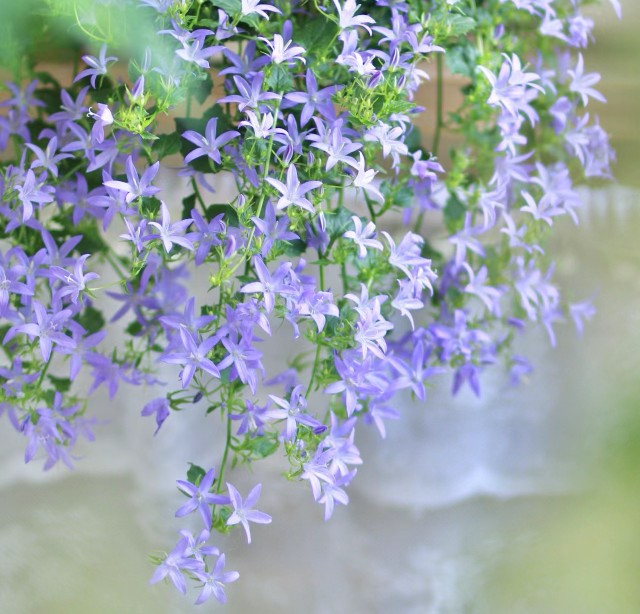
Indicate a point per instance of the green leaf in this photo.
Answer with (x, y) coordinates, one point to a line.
(188, 204)
(460, 24)
(279, 79)
(167, 144)
(230, 214)
(231, 7)
(292, 248)
(262, 447)
(454, 212)
(202, 89)
(462, 60)
(61, 384)
(338, 222)
(150, 207)
(134, 328)
(317, 35)
(195, 474)
(91, 320)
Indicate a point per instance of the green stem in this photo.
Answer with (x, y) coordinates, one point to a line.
(263, 197)
(372, 213)
(44, 372)
(439, 101)
(114, 263)
(225, 454)
(196, 191)
(316, 362)
(343, 275)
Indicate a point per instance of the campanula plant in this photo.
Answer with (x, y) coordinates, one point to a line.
(348, 228)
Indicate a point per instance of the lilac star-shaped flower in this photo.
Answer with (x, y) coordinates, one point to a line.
(269, 285)
(135, 186)
(209, 144)
(214, 582)
(243, 512)
(293, 192)
(169, 233)
(98, 66)
(200, 498)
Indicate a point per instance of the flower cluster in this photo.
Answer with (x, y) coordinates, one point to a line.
(435, 265)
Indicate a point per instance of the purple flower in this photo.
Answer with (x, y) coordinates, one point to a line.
(269, 285)
(406, 300)
(371, 329)
(489, 295)
(76, 282)
(334, 492)
(244, 358)
(169, 233)
(243, 512)
(208, 145)
(200, 498)
(248, 7)
(102, 118)
(47, 328)
(193, 50)
(106, 371)
(135, 186)
(33, 191)
(579, 312)
(273, 229)
(582, 83)
(339, 149)
(347, 16)
(282, 52)
(414, 374)
(292, 412)
(214, 582)
(252, 419)
(293, 192)
(364, 179)
(207, 234)
(363, 237)
(98, 66)
(251, 95)
(512, 88)
(313, 98)
(174, 564)
(196, 546)
(159, 408)
(47, 159)
(9, 284)
(193, 355)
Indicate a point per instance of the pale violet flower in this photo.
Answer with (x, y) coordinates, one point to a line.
(363, 236)
(248, 7)
(242, 510)
(364, 179)
(293, 192)
(283, 52)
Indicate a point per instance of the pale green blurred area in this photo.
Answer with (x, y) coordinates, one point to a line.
(77, 543)
(584, 556)
(616, 56)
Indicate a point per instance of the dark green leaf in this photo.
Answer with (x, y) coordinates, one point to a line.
(61, 384)
(460, 24)
(338, 222)
(91, 320)
(279, 79)
(195, 474)
(454, 212)
(167, 144)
